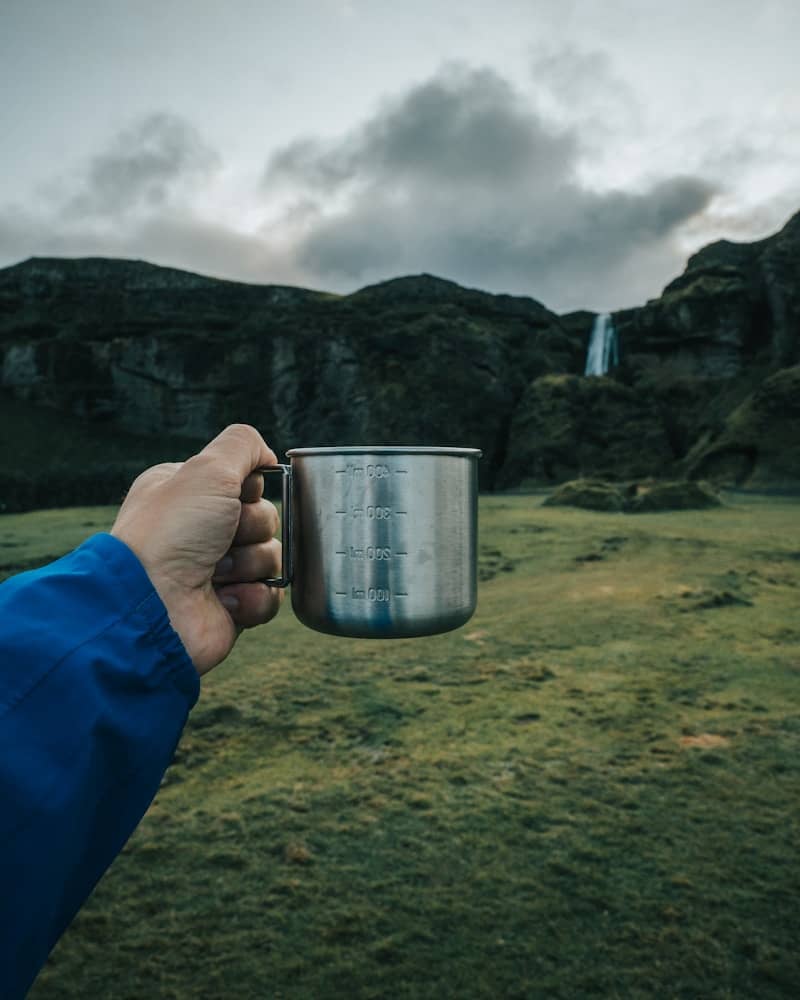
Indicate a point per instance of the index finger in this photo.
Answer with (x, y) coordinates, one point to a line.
(252, 488)
(242, 449)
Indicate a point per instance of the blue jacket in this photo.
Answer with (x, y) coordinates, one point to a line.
(95, 688)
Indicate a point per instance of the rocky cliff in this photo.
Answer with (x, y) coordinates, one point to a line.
(735, 305)
(150, 350)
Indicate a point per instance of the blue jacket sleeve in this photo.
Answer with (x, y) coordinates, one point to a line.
(95, 688)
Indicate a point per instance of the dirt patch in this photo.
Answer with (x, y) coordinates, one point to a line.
(705, 741)
(477, 636)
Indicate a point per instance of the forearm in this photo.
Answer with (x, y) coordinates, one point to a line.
(95, 687)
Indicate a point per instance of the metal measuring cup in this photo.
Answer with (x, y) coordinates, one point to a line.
(380, 542)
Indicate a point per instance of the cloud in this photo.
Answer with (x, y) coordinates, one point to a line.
(464, 177)
(465, 126)
(144, 166)
(134, 200)
(178, 238)
(581, 86)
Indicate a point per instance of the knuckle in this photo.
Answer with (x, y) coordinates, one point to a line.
(155, 474)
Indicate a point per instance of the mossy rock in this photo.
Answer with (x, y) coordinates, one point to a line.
(589, 494)
(644, 498)
(634, 498)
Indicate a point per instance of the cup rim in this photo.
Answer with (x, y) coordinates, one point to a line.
(383, 449)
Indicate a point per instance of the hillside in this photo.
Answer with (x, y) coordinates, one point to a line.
(126, 346)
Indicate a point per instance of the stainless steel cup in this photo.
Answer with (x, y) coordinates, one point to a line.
(381, 542)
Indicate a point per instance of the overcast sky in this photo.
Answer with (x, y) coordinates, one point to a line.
(572, 150)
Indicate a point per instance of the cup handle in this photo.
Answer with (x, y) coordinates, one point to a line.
(286, 525)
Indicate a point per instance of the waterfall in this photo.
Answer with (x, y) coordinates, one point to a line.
(603, 351)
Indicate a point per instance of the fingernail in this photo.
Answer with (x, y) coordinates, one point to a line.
(230, 602)
(225, 565)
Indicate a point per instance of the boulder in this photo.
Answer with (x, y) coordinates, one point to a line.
(634, 498)
(683, 494)
(588, 494)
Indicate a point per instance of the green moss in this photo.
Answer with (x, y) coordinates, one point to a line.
(590, 494)
(634, 498)
(676, 495)
(759, 442)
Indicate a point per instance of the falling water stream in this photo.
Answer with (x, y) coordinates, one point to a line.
(603, 351)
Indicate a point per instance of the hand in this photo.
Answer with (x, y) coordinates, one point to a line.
(205, 537)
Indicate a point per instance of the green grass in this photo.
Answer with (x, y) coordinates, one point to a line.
(590, 790)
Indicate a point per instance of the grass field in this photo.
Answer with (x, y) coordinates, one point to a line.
(590, 790)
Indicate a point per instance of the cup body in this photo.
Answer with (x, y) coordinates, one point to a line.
(384, 539)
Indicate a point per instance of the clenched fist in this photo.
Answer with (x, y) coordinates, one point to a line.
(206, 538)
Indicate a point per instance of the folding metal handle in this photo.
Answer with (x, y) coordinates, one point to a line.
(286, 525)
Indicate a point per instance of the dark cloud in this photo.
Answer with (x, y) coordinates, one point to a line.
(142, 167)
(463, 178)
(465, 126)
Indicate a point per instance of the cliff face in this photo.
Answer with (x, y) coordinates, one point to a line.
(417, 360)
(151, 350)
(734, 305)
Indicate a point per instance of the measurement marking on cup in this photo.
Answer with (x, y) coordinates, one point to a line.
(376, 595)
(372, 553)
(371, 471)
(401, 593)
(372, 513)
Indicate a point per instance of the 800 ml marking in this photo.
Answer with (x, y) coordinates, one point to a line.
(372, 513)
